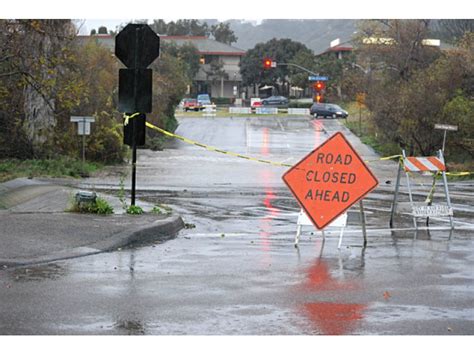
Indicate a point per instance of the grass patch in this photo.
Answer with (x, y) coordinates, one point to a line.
(161, 209)
(61, 167)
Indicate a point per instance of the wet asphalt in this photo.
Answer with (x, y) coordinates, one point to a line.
(235, 270)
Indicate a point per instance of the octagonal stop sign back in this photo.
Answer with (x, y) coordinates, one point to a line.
(137, 46)
(329, 180)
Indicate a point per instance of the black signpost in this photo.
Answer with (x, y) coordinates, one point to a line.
(137, 46)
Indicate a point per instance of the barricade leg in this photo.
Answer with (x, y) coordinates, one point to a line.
(448, 199)
(395, 196)
(298, 233)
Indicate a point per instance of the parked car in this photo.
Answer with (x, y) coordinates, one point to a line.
(275, 100)
(328, 111)
(189, 104)
(255, 102)
(204, 99)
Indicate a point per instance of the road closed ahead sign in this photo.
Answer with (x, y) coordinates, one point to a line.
(329, 180)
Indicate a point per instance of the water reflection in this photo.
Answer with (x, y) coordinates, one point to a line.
(334, 318)
(318, 128)
(330, 318)
(271, 212)
(265, 149)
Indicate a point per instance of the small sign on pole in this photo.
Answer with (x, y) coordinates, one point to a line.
(317, 78)
(83, 129)
(445, 127)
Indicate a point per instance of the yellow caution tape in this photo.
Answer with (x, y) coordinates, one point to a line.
(214, 149)
(237, 155)
(398, 156)
(462, 173)
(128, 117)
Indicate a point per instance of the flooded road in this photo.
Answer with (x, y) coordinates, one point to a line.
(235, 269)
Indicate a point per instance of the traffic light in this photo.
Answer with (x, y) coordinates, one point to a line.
(318, 98)
(319, 86)
(267, 63)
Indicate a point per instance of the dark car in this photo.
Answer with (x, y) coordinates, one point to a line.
(328, 111)
(275, 101)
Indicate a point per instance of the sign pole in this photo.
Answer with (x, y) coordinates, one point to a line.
(136, 46)
(134, 123)
(84, 146)
(444, 140)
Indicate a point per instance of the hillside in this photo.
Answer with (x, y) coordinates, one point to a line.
(315, 34)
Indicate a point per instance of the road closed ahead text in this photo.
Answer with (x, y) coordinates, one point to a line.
(329, 180)
(334, 177)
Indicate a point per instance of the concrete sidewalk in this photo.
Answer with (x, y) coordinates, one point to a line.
(34, 227)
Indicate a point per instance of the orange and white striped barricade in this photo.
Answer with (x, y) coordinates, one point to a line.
(433, 164)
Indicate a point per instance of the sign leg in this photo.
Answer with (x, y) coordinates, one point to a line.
(340, 238)
(84, 150)
(362, 218)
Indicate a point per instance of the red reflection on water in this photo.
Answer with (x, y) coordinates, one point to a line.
(265, 150)
(318, 126)
(318, 278)
(329, 318)
(334, 318)
(271, 212)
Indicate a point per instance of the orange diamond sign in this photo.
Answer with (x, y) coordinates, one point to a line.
(329, 180)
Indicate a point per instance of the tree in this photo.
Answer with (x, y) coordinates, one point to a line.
(180, 28)
(281, 51)
(223, 33)
(187, 54)
(102, 30)
(33, 57)
(410, 83)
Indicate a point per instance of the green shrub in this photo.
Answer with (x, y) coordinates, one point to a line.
(100, 206)
(295, 104)
(134, 210)
(222, 100)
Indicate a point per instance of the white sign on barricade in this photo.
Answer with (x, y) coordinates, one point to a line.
(209, 110)
(432, 211)
(298, 111)
(244, 110)
(266, 111)
(303, 220)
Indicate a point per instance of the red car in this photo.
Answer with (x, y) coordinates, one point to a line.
(190, 104)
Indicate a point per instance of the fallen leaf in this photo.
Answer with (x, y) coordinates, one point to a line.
(386, 295)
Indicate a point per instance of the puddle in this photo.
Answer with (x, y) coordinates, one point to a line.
(130, 327)
(38, 273)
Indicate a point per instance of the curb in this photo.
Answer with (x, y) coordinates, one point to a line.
(160, 230)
